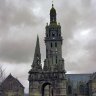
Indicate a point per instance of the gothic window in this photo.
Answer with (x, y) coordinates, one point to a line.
(53, 34)
(69, 89)
(56, 59)
(51, 45)
(49, 33)
(55, 44)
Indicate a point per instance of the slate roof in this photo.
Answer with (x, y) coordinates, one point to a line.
(75, 78)
(11, 83)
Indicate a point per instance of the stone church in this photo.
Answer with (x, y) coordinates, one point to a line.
(49, 80)
(52, 80)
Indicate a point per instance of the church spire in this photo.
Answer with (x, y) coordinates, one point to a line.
(52, 14)
(37, 49)
(37, 57)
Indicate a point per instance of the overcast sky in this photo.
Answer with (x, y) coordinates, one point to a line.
(22, 20)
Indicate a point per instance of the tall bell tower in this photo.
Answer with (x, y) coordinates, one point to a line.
(53, 41)
(49, 80)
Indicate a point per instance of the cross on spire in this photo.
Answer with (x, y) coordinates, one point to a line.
(52, 4)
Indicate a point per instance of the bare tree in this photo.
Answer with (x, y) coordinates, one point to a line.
(1, 73)
(1, 79)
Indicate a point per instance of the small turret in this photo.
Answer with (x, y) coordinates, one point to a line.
(52, 15)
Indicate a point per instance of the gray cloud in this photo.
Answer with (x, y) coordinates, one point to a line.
(18, 23)
(21, 21)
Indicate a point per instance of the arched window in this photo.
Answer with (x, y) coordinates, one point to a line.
(49, 33)
(69, 89)
(56, 59)
(53, 34)
(51, 45)
(55, 44)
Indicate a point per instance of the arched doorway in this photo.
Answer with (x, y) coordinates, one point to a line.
(47, 89)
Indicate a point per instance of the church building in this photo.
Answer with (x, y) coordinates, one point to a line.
(49, 80)
(52, 80)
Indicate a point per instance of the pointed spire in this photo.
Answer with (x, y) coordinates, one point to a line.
(37, 49)
(37, 56)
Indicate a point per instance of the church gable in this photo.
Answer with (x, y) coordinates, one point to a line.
(11, 83)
